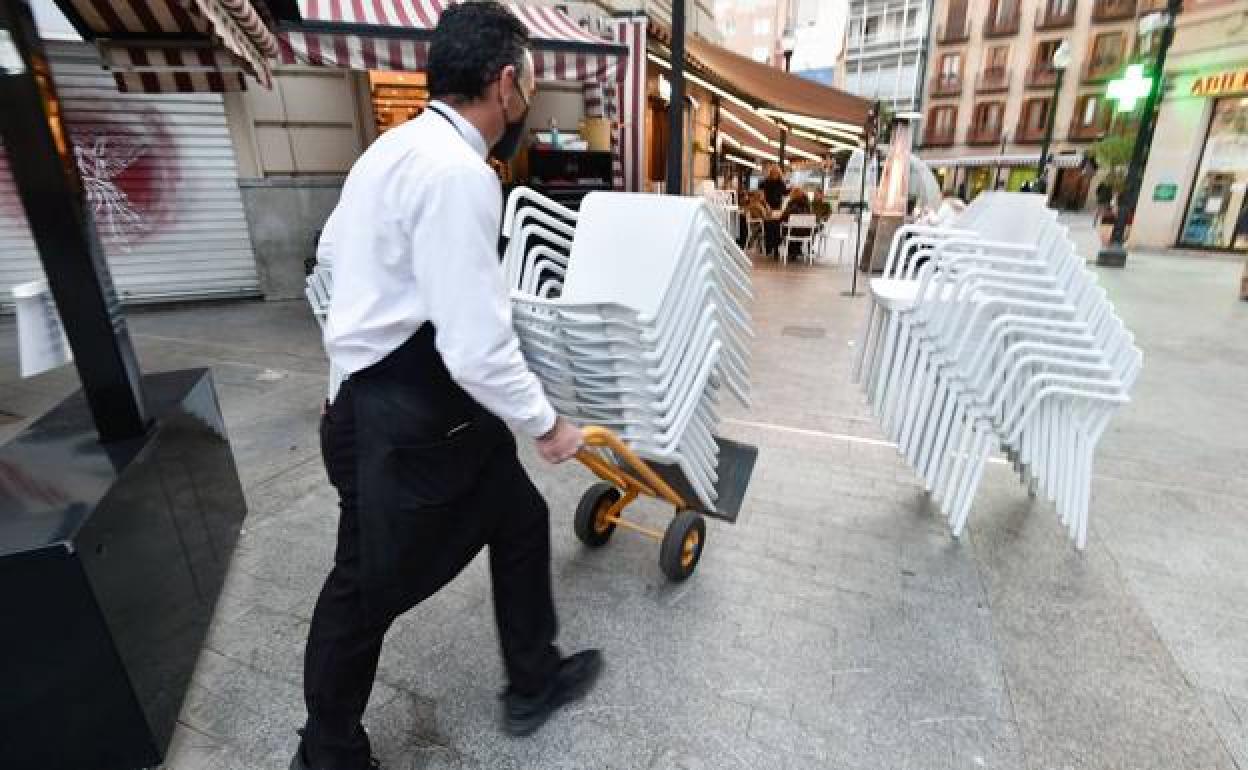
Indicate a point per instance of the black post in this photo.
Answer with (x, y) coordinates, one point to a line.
(715, 160)
(676, 107)
(872, 131)
(784, 142)
(41, 156)
(1115, 254)
(1042, 177)
(788, 60)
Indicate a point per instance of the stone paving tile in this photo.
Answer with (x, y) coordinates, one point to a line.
(836, 625)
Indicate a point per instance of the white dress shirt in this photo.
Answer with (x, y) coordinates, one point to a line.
(414, 239)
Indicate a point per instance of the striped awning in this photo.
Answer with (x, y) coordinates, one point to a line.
(395, 34)
(158, 46)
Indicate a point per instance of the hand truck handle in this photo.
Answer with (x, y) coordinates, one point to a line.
(625, 478)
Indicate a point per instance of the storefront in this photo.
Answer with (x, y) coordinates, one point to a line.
(1194, 193)
(972, 174)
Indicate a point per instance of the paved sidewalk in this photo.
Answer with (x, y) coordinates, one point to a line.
(837, 625)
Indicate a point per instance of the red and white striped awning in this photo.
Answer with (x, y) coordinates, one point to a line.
(394, 35)
(160, 46)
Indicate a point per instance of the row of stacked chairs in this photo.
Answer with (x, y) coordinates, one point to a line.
(992, 333)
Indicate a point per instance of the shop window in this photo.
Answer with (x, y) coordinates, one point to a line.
(1217, 213)
(397, 97)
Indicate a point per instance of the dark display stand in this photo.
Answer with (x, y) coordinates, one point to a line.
(112, 557)
(568, 176)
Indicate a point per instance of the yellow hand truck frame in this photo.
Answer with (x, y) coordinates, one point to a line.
(626, 477)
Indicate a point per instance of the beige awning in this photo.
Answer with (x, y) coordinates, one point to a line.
(773, 92)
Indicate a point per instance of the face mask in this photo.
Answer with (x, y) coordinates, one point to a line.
(505, 148)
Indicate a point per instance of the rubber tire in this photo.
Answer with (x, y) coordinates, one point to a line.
(672, 549)
(587, 512)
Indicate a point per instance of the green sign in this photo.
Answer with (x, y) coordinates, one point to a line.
(1130, 88)
(1165, 192)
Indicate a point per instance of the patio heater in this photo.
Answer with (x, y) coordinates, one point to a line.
(119, 508)
(889, 209)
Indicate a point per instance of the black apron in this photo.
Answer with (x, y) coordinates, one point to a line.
(422, 443)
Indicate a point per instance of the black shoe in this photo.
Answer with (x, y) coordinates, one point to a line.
(300, 760)
(575, 678)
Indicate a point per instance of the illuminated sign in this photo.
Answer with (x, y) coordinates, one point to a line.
(1130, 88)
(1221, 83)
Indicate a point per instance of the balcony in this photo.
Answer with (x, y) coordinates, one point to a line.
(1028, 134)
(1001, 25)
(938, 137)
(1101, 68)
(1081, 133)
(953, 32)
(946, 85)
(1050, 16)
(1041, 77)
(1150, 6)
(990, 134)
(1113, 10)
(993, 80)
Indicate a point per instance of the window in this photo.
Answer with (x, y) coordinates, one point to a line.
(1087, 111)
(1003, 13)
(762, 26)
(762, 54)
(1106, 54)
(987, 121)
(1092, 117)
(1035, 118)
(730, 27)
(1044, 54)
(940, 124)
(951, 65)
(871, 28)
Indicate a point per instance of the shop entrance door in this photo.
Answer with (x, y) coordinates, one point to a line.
(1071, 192)
(1217, 212)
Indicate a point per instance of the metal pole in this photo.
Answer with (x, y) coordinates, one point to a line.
(1115, 254)
(676, 107)
(715, 159)
(784, 141)
(1042, 177)
(867, 150)
(41, 156)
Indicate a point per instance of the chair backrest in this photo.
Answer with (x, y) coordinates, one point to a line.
(803, 220)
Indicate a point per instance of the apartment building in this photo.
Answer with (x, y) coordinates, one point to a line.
(993, 85)
(885, 51)
(753, 28)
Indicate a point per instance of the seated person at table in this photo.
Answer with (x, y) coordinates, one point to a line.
(798, 203)
(820, 207)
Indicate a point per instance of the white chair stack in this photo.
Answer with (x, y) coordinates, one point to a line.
(650, 324)
(994, 332)
(539, 234)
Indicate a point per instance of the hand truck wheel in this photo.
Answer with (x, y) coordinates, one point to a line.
(591, 524)
(682, 545)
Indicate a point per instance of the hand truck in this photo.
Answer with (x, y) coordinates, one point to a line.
(626, 477)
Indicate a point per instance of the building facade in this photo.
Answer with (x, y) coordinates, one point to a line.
(755, 28)
(885, 51)
(994, 89)
(1195, 187)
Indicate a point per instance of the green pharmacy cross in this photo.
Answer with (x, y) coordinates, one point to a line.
(1130, 88)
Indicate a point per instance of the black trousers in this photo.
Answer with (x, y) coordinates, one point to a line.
(435, 501)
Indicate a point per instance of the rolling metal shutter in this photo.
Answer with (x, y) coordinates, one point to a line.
(163, 185)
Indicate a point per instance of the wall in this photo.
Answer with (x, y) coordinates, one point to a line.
(295, 144)
(1210, 38)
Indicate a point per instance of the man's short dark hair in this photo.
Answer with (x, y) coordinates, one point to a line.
(472, 44)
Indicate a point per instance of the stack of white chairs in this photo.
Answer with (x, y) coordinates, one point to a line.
(647, 330)
(724, 204)
(539, 234)
(993, 332)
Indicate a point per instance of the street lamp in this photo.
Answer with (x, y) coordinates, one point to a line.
(1059, 62)
(1115, 253)
(788, 44)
